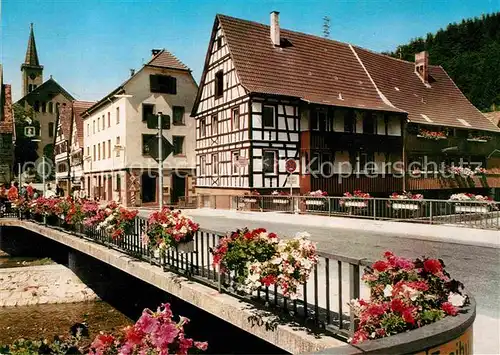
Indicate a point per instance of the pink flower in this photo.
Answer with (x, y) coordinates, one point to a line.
(359, 336)
(201, 345)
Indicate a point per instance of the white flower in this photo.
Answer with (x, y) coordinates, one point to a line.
(299, 235)
(456, 299)
(412, 293)
(388, 291)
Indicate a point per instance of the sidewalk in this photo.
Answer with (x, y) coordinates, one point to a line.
(438, 233)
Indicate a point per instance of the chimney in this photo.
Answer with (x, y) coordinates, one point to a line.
(155, 51)
(422, 65)
(275, 28)
(132, 72)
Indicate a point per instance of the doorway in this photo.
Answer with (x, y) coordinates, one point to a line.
(148, 188)
(178, 187)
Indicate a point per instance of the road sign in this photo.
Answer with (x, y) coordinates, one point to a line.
(152, 121)
(290, 166)
(29, 131)
(292, 180)
(167, 148)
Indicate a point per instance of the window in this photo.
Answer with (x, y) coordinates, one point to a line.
(202, 165)
(94, 152)
(44, 107)
(98, 124)
(30, 88)
(178, 142)
(218, 43)
(88, 129)
(103, 122)
(98, 151)
(219, 84)
(366, 162)
(234, 160)
(109, 148)
(51, 129)
(163, 84)
(215, 125)
(269, 163)
(147, 111)
(93, 126)
(88, 151)
(369, 123)
(203, 127)
(104, 150)
(215, 164)
(117, 146)
(349, 122)
(117, 115)
(145, 140)
(235, 118)
(51, 107)
(178, 115)
(268, 116)
(109, 119)
(36, 106)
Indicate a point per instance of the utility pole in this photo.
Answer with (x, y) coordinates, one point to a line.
(43, 175)
(160, 161)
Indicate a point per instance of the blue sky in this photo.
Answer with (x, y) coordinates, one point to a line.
(88, 46)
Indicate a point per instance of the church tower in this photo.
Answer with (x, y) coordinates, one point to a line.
(31, 68)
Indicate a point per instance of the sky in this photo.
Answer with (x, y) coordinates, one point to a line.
(89, 46)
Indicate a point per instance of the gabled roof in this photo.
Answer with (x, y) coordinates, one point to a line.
(440, 103)
(328, 72)
(312, 68)
(31, 59)
(46, 92)
(7, 121)
(66, 115)
(494, 117)
(79, 108)
(163, 59)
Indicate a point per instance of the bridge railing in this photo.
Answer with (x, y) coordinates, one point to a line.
(322, 303)
(475, 214)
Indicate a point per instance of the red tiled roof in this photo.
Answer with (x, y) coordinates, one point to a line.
(442, 103)
(79, 108)
(65, 114)
(494, 117)
(323, 71)
(167, 60)
(312, 68)
(7, 123)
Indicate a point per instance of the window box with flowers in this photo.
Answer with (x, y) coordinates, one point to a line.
(405, 295)
(316, 198)
(357, 199)
(116, 221)
(432, 135)
(280, 198)
(470, 203)
(252, 197)
(406, 201)
(170, 229)
(256, 258)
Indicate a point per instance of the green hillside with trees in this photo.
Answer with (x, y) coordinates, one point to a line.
(470, 52)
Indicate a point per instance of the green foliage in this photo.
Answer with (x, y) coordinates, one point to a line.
(470, 52)
(431, 316)
(25, 149)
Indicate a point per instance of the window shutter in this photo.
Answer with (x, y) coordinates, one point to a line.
(172, 85)
(153, 82)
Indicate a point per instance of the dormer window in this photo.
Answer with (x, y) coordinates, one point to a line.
(219, 84)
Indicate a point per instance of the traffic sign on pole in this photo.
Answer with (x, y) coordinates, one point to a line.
(290, 166)
(166, 148)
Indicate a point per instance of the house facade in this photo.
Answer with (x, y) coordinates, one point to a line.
(6, 132)
(44, 97)
(349, 118)
(68, 150)
(117, 164)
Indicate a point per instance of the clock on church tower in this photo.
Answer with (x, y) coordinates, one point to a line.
(32, 76)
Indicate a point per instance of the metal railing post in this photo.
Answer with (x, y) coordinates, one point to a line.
(354, 292)
(430, 212)
(374, 209)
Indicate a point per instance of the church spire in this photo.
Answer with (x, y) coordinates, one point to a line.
(31, 54)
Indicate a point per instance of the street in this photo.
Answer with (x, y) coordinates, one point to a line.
(477, 267)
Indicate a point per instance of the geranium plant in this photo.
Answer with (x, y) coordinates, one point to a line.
(119, 220)
(404, 295)
(406, 196)
(257, 258)
(169, 228)
(357, 199)
(317, 193)
(434, 135)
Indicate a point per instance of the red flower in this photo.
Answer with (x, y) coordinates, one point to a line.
(450, 309)
(381, 266)
(408, 316)
(272, 235)
(268, 280)
(433, 266)
(359, 336)
(388, 254)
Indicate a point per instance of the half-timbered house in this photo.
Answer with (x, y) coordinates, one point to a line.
(344, 114)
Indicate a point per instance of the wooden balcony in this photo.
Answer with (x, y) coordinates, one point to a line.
(416, 144)
(353, 141)
(438, 183)
(337, 185)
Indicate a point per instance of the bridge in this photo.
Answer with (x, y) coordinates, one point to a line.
(304, 325)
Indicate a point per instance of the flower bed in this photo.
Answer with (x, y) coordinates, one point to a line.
(257, 258)
(358, 199)
(477, 203)
(404, 295)
(170, 229)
